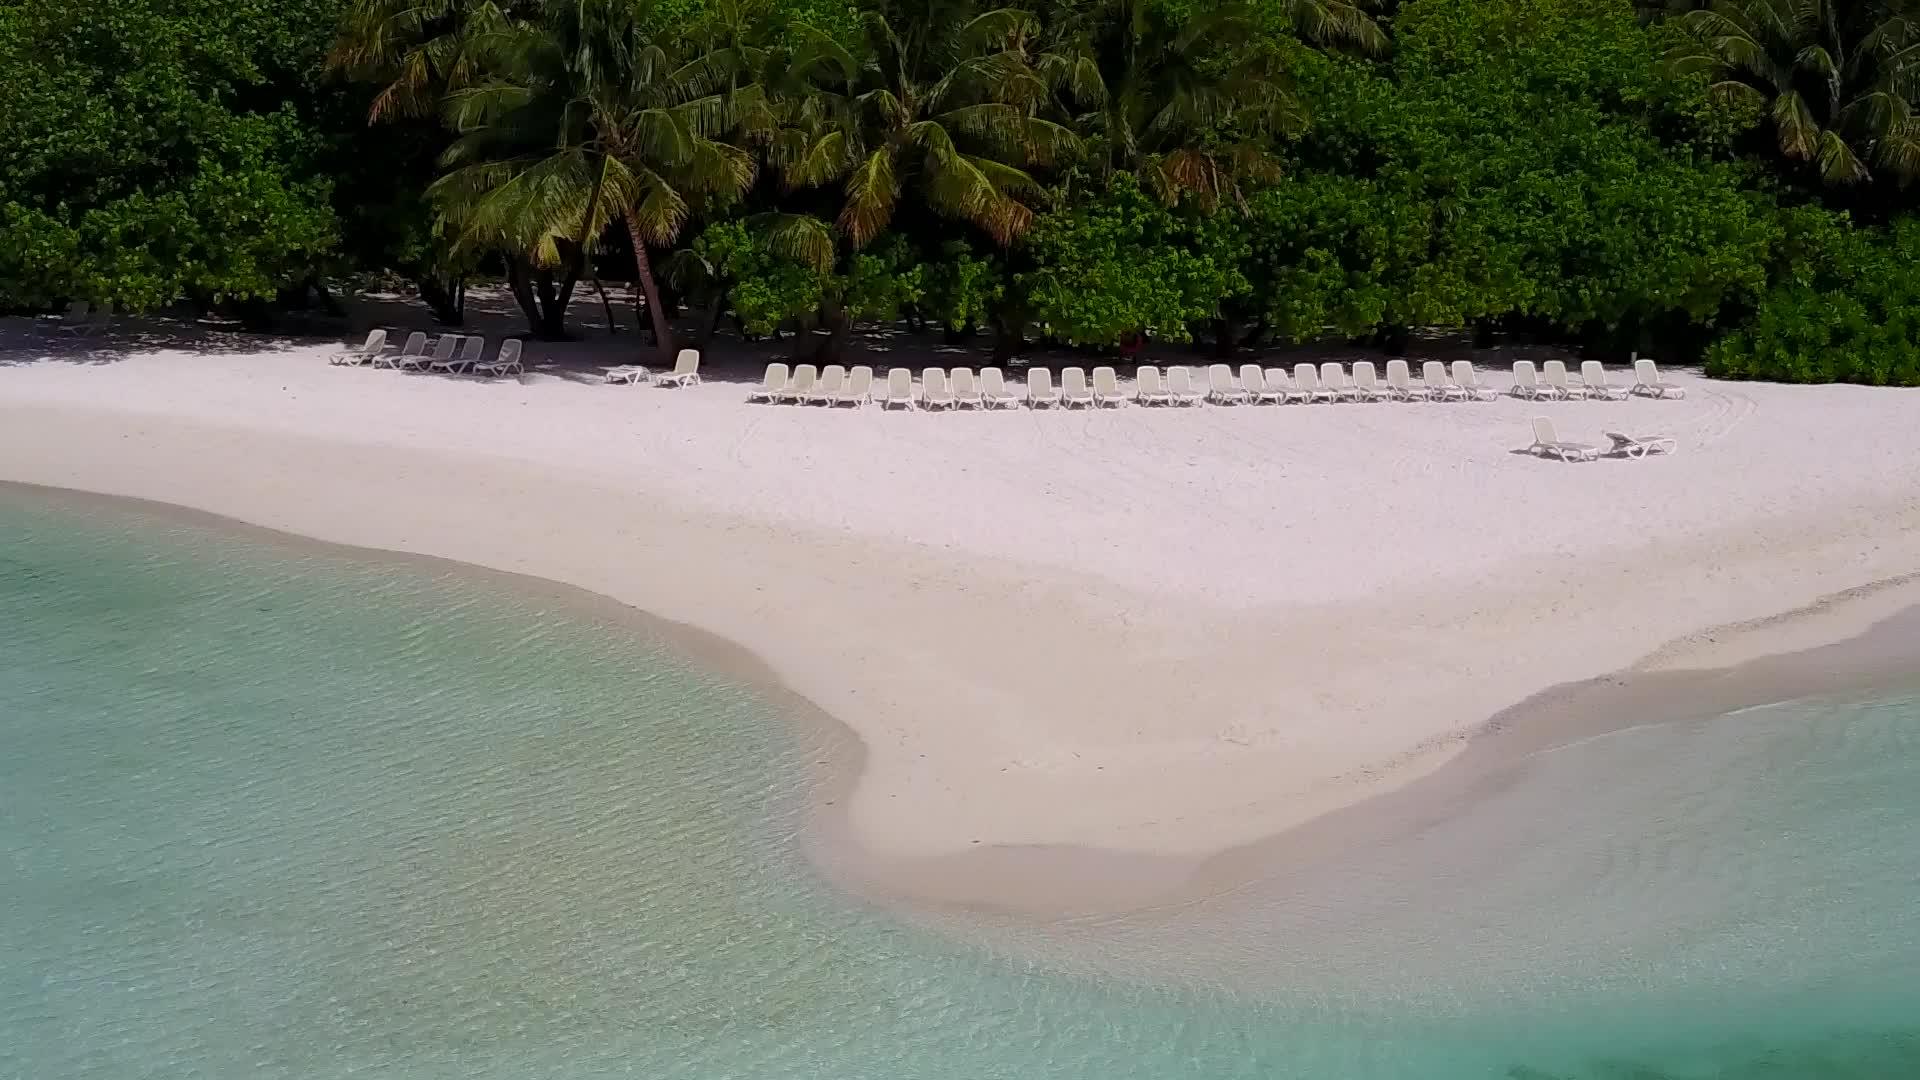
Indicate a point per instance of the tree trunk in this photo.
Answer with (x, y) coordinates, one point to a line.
(1226, 338)
(522, 288)
(711, 324)
(650, 291)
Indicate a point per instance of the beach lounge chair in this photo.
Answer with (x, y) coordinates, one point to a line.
(78, 311)
(507, 359)
(443, 349)
(1253, 382)
(1647, 381)
(1547, 443)
(859, 385)
(1555, 374)
(832, 378)
(1106, 389)
(471, 350)
(993, 390)
(1222, 389)
(375, 344)
(899, 390)
(631, 374)
(1147, 387)
(1400, 385)
(1335, 383)
(1438, 386)
(966, 392)
(800, 385)
(85, 320)
(1467, 378)
(1526, 382)
(1594, 376)
(1366, 382)
(772, 384)
(934, 391)
(1306, 384)
(1040, 392)
(1638, 446)
(1180, 388)
(1275, 387)
(1074, 389)
(686, 370)
(416, 344)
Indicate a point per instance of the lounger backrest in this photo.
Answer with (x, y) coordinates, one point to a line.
(1593, 374)
(1365, 376)
(963, 385)
(933, 385)
(1277, 381)
(1146, 381)
(831, 377)
(1465, 375)
(1524, 375)
(687, 363)
(1434, 374)
(899, 384)
(993, 384)
(416, 344)
(859, 381)
(1306, 377)
(1646, 373)
(1543, 432)
(376, 340)
(509, 352)
(1179, 381)
(79, 309)
(1105, 382)
(443, 349)
(1251, 380)
(1556, 373)
(803, 379)
(473, 348)
(1039, 384)
(775, 380)
(1332, 375)
(1073, 382)
(1220, 378)
(1399, 375)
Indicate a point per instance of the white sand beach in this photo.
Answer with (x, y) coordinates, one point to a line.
(1148, 630)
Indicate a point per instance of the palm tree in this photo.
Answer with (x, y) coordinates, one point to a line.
(582, 121)
(1191, 106)
(419, 49)
(943, 112)
(1837, 77)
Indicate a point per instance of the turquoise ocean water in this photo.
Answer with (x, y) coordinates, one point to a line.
(267, 813)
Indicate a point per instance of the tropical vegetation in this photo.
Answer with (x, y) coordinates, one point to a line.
(1731, 181)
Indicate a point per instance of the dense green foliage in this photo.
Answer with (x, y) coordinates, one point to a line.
(1725, 178)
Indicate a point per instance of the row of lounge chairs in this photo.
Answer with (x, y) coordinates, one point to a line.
(686, 372)
(941, 389)
(452, 353)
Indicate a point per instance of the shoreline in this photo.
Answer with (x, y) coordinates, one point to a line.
(1879, 623)
(1149, 635)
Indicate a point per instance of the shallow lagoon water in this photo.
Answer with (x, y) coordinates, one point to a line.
(273, 812)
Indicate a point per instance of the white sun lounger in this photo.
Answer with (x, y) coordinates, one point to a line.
(1554, 372)
(78, 311)
(1438, 385)
(1221, 389)
(416, 344)
(1074, 389)
(859, 385)
(507, 359)
(1275, 387)
(1180, 388)
(1400, 385)
(1147, 387)
(772, 384)
(686, 370)
(1366, 382)
(934, 391)
(1106, 389)
(994, 392)
(1546, 443)
(1335, 383)
(832, 378)
(799, 385)
(1594, 376)
(375, 344)
(1526, 382)
(966, 392)
(1638, 446)
(899, 390)
(1647, 381)
(443, 349)
(631, 374)
(472, 348)
(1040, 392)
(1306, 384)
(1254, 382)
(1467, 377)
(85, 320)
